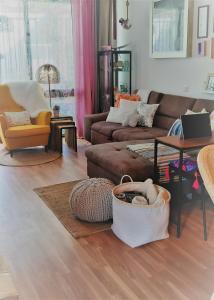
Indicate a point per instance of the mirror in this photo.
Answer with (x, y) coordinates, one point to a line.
(169, 28)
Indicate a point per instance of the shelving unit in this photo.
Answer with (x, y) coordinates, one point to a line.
(114, 75)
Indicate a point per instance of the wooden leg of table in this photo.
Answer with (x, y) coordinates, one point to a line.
(60, 141)
(180, 196)
(156, 177)
(75, 138)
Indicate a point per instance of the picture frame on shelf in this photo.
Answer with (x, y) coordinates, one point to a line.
(210, 84)
(203, 21)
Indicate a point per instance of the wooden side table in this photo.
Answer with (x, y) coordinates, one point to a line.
(71, 135)
(182, 145)
(57, 125)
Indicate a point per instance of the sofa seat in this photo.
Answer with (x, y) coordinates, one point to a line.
(113, 160)
(137, 133)
(106, 128)
(26, 130)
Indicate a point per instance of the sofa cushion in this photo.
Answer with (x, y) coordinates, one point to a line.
(137, 133)
(171, 108)
(202, 103)
(26, 130)
(106, 128)
(154, 97)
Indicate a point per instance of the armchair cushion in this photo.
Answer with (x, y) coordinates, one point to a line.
(26, 130)
(17, 118)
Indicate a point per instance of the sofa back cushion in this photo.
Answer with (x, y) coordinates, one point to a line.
(171, 108)
(202, 103)
(154, 97)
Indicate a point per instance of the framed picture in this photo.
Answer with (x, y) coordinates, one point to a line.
(203, 21)
(210, 84)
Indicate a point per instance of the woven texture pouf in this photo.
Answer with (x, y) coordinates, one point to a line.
(91, 200)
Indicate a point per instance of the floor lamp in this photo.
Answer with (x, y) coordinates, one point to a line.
(48, 74)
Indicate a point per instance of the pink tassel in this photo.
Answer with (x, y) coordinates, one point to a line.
(196, 183)
(167, 173)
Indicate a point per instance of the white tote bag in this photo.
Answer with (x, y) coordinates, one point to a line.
(138, 224)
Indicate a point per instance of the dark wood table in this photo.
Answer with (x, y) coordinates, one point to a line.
(58, 124)
(182, 145)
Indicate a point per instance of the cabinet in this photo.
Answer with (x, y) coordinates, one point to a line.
(114, 76)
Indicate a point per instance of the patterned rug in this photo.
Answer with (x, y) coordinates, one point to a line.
(56, 197)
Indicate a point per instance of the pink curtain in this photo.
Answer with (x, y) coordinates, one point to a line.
(83, 18)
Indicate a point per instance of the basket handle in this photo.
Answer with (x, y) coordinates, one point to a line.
(121, 181)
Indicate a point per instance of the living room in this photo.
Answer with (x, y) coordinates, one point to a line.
(106, 160)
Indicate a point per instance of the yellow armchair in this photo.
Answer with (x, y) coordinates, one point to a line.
(25, 136)
(35, 134)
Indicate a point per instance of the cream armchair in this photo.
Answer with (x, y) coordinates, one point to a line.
(35, 134)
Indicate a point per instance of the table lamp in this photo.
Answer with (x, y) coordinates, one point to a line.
(47, 74)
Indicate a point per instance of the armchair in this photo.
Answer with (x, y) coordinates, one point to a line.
(25, 136)
(35, 134)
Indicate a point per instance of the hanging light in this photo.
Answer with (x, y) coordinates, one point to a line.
(125, 22)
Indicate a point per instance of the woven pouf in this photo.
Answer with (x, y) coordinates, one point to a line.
(91, 200)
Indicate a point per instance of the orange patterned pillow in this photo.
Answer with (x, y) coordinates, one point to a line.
(129, 97)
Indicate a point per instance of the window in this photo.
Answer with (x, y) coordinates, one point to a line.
(33, 33)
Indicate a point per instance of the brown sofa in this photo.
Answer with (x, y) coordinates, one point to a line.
(112, 160)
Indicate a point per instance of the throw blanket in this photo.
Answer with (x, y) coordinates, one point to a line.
(30, 95)
(176, 128)
(147, 150)
(165, 156)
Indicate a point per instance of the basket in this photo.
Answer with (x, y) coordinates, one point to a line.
(138, 224)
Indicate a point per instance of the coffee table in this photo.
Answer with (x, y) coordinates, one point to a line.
(182, 145)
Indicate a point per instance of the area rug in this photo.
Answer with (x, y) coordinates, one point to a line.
(56, 197)
(27, 157)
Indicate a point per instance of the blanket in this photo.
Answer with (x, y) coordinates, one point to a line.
(165, 156)
(30, 95)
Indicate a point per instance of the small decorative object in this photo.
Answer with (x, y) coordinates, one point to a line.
(56, 110)
(203, 21)
(47, 74)
(125, 22)
(91, 200)
(210, 84)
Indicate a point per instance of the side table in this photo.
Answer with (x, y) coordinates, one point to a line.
(182, 145)
(57, 125)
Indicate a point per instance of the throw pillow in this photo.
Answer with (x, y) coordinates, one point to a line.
(128, 107)
(147, 113)
(119, 96)
(144, 95)
(17, 118)
(190, 112)
(115, 115)
(131, 120)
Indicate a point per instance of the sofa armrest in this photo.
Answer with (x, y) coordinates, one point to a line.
(89, 120)
(43, 118)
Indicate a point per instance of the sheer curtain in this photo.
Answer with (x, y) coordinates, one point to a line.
(32, 33)
(13, 56)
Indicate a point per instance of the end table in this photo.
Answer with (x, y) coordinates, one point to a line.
(57, 125)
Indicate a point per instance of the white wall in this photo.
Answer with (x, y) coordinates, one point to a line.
(181, 76)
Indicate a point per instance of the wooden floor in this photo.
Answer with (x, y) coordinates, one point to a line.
(48, 264)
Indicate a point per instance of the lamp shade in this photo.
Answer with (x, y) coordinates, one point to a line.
(47, 74)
